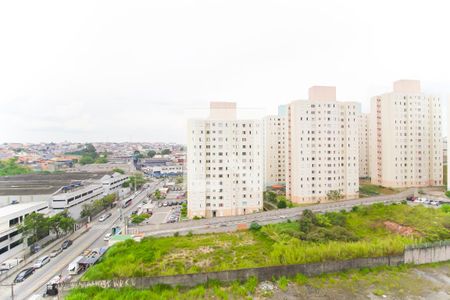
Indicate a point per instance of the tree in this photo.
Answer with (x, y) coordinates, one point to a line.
(157, 194)
(137, 179)
(61, 222)
(334, 195)
(270, 196)
(10, 167)
(117, 170)
(86, 160)
(179, 180)
(282, 204)
(34, 226)
(165, 152)
(151, 153)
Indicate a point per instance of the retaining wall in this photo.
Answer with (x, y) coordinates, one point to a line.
(428, 253)
(263, 273)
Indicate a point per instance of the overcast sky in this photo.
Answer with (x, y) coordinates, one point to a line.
(128, 70)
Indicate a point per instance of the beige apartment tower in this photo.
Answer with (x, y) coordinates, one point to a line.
(224, 164)
(275, 139)
(406, 137)
(364, 145)
(322, 151)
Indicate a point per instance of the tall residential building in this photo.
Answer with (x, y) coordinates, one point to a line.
(364, 155)
(322, 147)
(275, 132)
(224, 163)
(406, 137)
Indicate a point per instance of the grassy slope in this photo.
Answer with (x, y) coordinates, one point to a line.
(273, 245)
(399, 282)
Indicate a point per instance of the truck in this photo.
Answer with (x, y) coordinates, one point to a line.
(74, 267)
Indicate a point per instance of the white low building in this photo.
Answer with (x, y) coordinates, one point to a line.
(113, 183)
(72, 197)
(11, 241)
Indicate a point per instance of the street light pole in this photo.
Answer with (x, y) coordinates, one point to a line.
(12, 289)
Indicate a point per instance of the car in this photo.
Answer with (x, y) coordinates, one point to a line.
(66, 244)
(160, 204)
(35, 248)
(41, 261)
(56, 252)
(24, 274)
(104, 217)
(10, 263)
(107, 236)
(165, 204)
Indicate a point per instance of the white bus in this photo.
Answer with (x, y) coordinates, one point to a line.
(74, 267)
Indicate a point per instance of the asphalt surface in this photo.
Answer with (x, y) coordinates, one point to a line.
(36, 283)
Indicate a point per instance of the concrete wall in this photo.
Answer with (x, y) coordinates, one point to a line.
(264, 273)
(428, 253)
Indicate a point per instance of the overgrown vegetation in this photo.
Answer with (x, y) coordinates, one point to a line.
(91, 209)
(332, 236)
(278, 201)
(402, 282)
(138, 219)
(366, 189)
(10, 167)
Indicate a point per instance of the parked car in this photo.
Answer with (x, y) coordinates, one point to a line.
(9, 264)
(104, 217)
(107, 236)
(66, 244)
(35, 248)
(24, 274)
(41, 261)
(56, 252)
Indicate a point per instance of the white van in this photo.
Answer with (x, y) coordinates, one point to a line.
(74, 267)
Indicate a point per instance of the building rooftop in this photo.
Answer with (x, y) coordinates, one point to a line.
(42, 184)
(14, 208)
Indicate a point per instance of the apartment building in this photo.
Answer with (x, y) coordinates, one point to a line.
(406, 137)
(364, 138)
(11, 240)
(322, 152)
(73, 196)
(224, 163)
(275, 135)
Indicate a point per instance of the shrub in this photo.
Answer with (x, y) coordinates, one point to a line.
(447, 193)
(255, 226)
(282, 204)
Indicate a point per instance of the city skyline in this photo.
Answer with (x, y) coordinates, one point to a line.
(67, 77)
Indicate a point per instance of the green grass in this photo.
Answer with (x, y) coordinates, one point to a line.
(366, 189)
(273, 244)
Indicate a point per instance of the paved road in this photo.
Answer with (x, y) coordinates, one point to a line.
(221, 224)
(35, 284)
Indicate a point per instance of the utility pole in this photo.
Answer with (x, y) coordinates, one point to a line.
(12, 289)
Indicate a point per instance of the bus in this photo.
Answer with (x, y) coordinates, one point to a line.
(127, 202)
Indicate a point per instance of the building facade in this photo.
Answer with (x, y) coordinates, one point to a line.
(11, 240)
(275, 135)
(73, 196)
(322, 153)
(406, 137)
(224, 163)
(364, 146)
(113, 183)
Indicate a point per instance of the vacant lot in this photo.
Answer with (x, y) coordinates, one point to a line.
(366, 189)
(372, 231)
